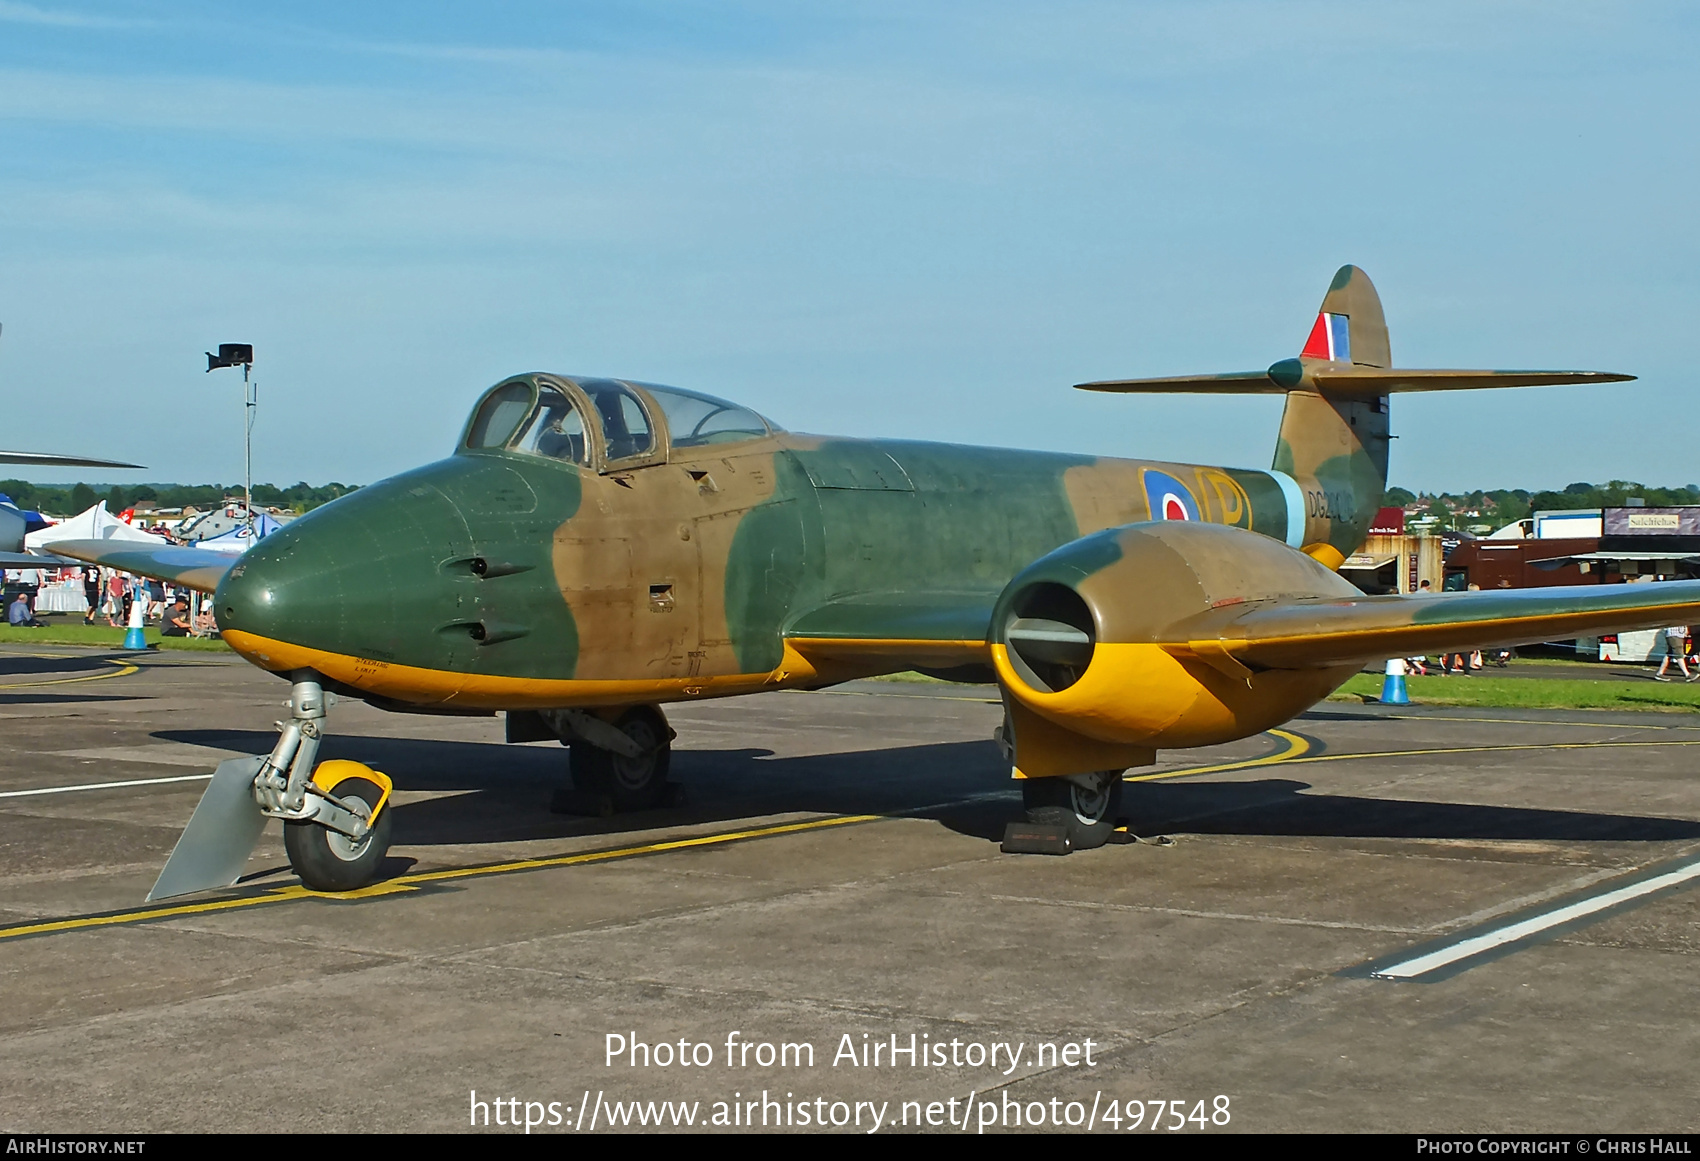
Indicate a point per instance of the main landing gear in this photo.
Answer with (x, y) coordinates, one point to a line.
(1084, 806)
(616, 766)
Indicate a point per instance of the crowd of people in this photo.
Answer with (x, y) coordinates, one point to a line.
(110, 595)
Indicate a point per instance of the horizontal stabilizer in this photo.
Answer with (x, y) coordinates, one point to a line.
(193, 568)
(1305, 634)
(1347, 379)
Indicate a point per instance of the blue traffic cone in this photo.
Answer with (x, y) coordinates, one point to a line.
(1393, 685)
(134, 636)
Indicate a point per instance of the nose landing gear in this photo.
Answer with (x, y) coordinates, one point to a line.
(336, 825)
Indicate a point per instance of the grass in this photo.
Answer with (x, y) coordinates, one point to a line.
(101, 636)
(1532, 693)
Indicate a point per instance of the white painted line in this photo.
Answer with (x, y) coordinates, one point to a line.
(1510, 933)
(104, 785)
(157, 754)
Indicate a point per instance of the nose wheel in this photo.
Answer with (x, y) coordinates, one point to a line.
(329, 860)
(1085, 805)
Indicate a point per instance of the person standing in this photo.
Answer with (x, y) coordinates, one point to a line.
(114, 597)
(91, 593)
(1676, 638)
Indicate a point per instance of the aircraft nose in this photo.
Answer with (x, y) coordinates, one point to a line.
(356, 578)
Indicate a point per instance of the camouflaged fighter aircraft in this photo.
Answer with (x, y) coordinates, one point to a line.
(595, 548)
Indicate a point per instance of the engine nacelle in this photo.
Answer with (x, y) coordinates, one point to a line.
(1109, 647)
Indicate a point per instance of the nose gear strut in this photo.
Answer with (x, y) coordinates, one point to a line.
(336, 825)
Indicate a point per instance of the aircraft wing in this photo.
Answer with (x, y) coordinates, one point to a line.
(49, 460)
(32, 560)
(193, 568)
(1301, 634)
(929, 630)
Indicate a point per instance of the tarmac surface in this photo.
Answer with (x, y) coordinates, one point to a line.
(831, 877)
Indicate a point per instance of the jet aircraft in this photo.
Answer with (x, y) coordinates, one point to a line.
(14, 523)
(596, 548)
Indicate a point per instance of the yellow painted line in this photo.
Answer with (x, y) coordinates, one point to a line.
(125, 669)
(1296, 753)
(1526, 722)
(1489, 750)
(403, 883)
(1296, 746)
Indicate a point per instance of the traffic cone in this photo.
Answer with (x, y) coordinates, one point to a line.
(1393, 685)
(134, 636)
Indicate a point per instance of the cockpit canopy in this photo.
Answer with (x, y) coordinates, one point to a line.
(595, 423)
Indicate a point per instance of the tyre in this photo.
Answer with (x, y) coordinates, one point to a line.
(1088, 813)
(328, 861)
(628, 783)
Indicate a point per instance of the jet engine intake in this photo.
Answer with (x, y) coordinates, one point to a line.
(1114, 644)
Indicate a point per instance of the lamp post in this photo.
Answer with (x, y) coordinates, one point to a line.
(242, 355)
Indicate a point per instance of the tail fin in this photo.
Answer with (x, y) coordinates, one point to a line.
(1334, 432)
(1335, 445)
(1349, 328)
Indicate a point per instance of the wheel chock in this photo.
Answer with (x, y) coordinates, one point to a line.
(1028, 838)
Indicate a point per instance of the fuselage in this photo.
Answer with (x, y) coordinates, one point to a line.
(497, 579)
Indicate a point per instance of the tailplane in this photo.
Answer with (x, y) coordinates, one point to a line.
(1334, 431)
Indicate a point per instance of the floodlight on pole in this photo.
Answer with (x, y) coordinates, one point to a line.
(242, 355)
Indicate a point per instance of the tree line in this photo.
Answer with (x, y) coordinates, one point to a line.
(70, 499)
(1502, 506)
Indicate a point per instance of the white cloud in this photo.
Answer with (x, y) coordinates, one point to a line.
(16, 13)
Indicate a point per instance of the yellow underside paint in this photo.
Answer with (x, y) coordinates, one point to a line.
(805, 662)
(329, 775)
(906, 653)
(1326, 555)
(489, 691)
(1044, 749)
(1164, 698)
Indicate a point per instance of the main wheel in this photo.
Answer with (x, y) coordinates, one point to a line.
(328, 861)
(1087, 812)
(629, 783)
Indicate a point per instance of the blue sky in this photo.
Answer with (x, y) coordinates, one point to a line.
(906, 219)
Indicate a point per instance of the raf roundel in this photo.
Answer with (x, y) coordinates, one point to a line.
(1168, 497)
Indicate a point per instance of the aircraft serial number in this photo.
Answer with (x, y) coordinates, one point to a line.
(1329, 505)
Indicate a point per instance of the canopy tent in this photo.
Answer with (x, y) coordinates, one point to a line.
(95, 524)
(239, 540)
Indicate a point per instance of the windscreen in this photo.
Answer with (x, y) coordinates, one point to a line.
(498, 415)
